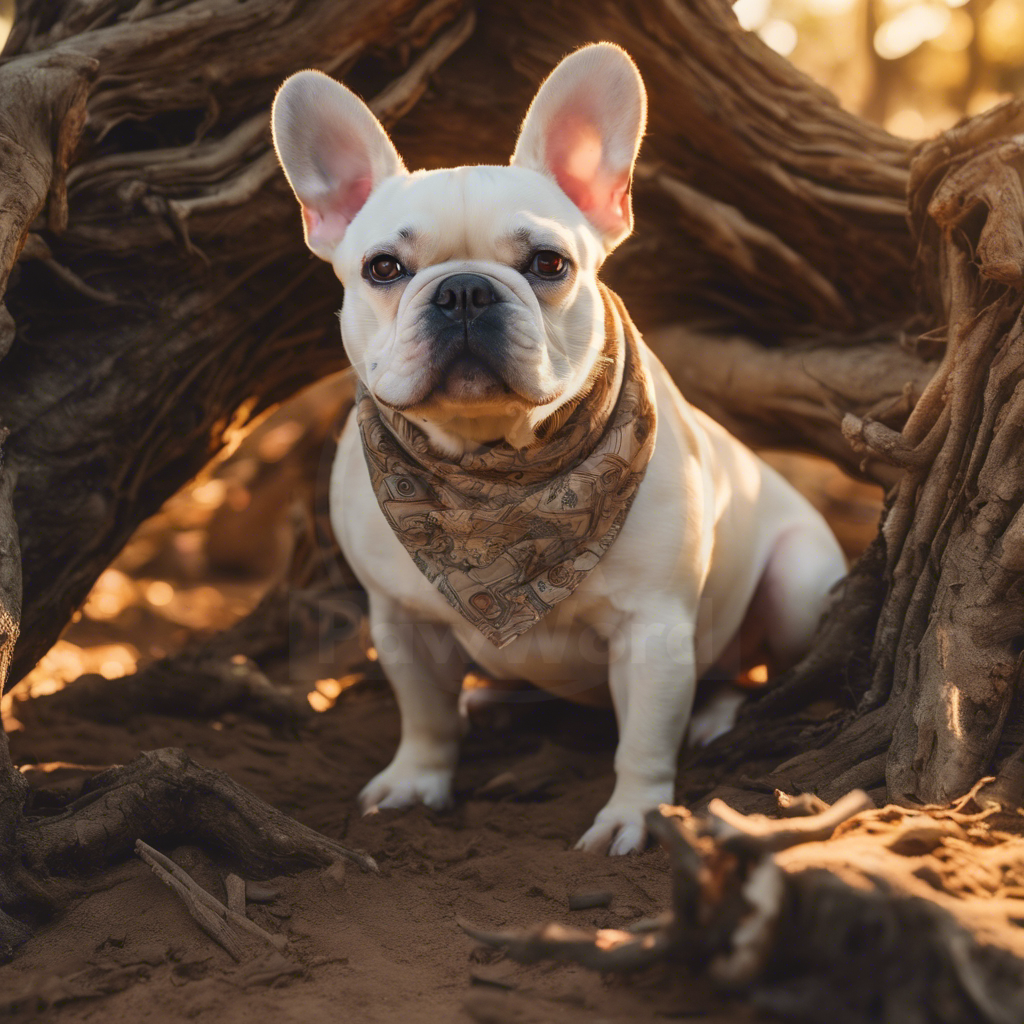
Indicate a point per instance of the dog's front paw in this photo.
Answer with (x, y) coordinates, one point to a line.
(619, 827)
(617, 830)
(405, 782)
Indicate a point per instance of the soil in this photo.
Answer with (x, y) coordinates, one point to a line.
(366, 948)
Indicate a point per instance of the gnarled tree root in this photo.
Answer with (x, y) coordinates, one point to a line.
(162, 797)
(195, 684)
(897, 915)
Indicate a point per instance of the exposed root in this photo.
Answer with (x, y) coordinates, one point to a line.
(194, 684)
(758, 832)
(850, 915)
(799, 806)
(164, 795)
(235, 888)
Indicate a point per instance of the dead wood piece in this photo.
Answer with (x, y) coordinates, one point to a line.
(256, 893)
(866, 435)
(163, 795)
(755, 831)
(588, 900)
(194, 684)
(235, 888)
(225, 925)
(607, 949)
(799, 806)
(850, 928)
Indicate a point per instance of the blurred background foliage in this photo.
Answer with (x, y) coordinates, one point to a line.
(914, 66)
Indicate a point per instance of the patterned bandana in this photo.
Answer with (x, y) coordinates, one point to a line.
(505, 534)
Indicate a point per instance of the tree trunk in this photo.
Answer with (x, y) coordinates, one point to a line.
(161, 297)
(179, 280)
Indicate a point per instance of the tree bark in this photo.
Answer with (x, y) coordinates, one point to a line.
(781, 223)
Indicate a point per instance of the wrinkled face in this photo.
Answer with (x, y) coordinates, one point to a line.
(471, 300)
(471, 294)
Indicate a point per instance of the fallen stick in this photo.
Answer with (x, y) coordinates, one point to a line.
(800, 806)
(221, 923)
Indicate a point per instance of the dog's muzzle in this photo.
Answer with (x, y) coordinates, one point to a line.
(466, 321)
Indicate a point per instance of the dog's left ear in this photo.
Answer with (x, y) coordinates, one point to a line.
(584, 129)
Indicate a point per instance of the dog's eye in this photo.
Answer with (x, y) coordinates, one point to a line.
(385, 268)
(549, 264)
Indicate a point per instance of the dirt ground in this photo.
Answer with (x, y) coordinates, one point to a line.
(367, 948)
(373, 948)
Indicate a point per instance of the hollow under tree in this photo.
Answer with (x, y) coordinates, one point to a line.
(809, 279)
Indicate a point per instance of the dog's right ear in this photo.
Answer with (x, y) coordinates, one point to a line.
(334, 153)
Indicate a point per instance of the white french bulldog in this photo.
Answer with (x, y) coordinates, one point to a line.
(717, 550)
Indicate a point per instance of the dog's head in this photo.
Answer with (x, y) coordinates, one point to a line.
(471, 301)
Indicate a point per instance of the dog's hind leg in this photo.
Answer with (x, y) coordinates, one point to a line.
(787, 606)
(793, 594)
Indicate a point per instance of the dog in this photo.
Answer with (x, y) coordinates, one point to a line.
(522, 486)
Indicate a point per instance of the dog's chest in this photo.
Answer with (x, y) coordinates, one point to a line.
(566, 648)
(566, 652)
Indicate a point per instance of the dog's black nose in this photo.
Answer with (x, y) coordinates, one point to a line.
(464, 296)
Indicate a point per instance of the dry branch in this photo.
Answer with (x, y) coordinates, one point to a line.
(861, 915)
(224, 924)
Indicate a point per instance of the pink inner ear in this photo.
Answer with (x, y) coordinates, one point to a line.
(574, 154)
(328, 218)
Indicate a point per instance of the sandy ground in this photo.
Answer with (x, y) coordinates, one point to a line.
(371, 948)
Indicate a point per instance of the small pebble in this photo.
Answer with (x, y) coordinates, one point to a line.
(256, 893)
(333, 875)
(589, 900)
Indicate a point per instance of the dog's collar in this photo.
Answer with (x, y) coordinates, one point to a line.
(504, 533)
